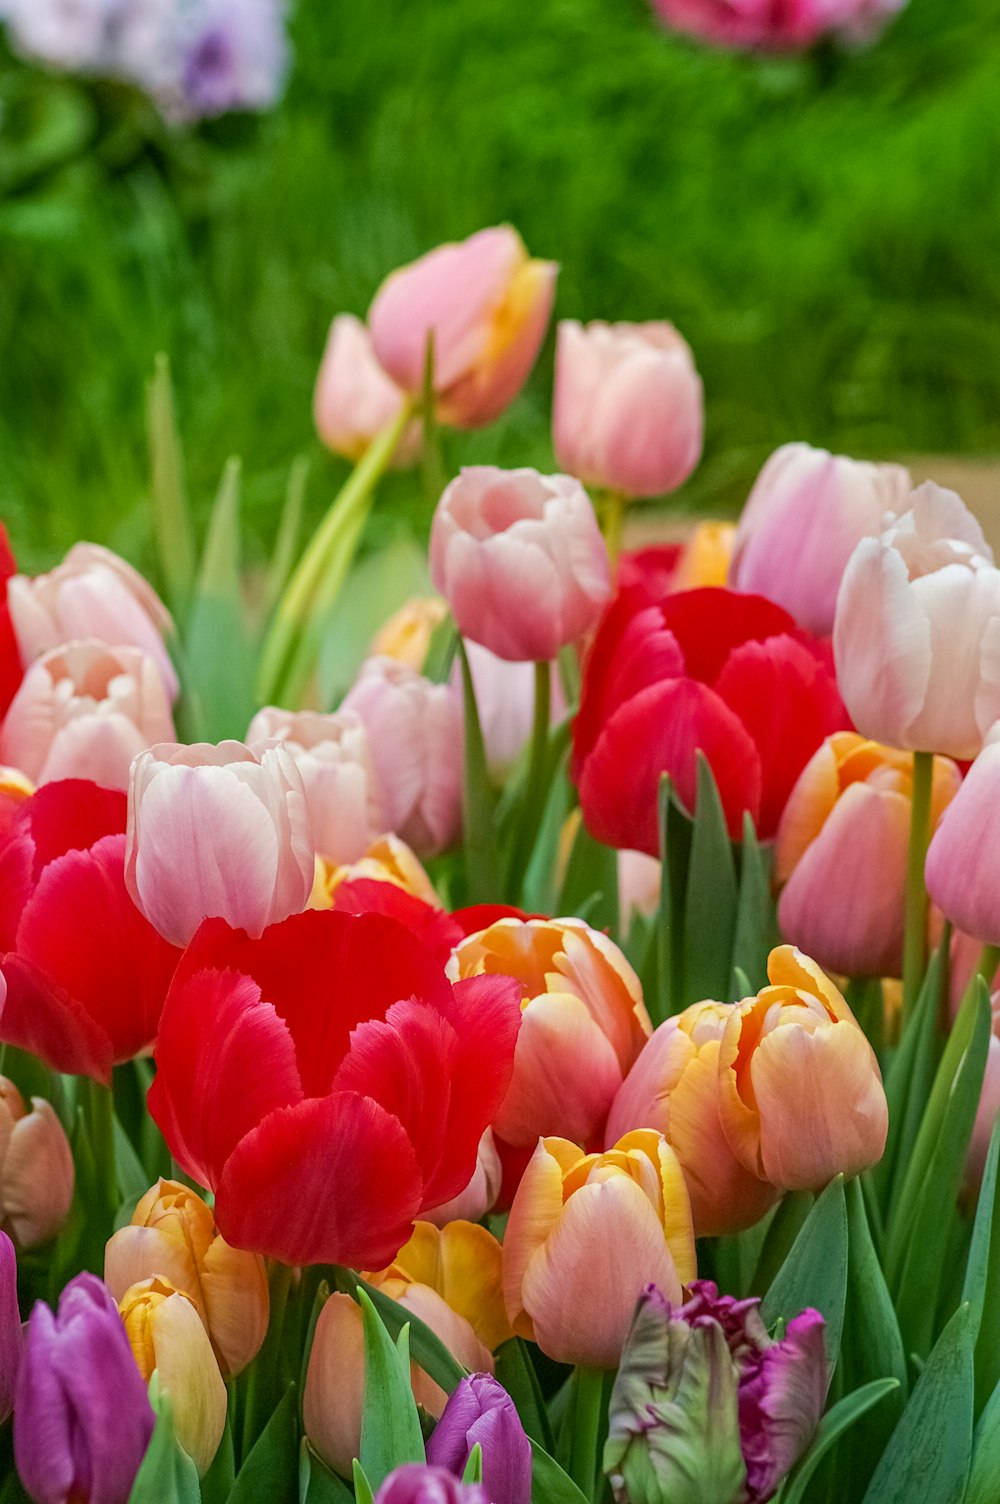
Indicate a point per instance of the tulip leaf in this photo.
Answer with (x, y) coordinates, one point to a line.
(390, 1425)
(540, 889)
(167, 1474)
(217, 1483)
(675, 853)
(317, 1485)
(835, 1422)
(482, 855)
(426, 1349)
(710, 897)
(908, 1084)
(441, 652)
(756, 921)
(982, 1486)
(815, 1271)
(474, 1467)
(929, 1453)
(549, 1483)
(171, 515)
(270, 1470)
(591, 881)
(133, 1182)
(286, 539)
(782, 1230)
(516, 1372)
(362, 1488)
(982, 1276)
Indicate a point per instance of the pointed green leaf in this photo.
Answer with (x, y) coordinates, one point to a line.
(474, 1467)
(286, 540)
(815, 1271)
(516, 1372)
(270, 1471)
(591, 880)
(317, 1485)
(549, 1483)
(362, 1488)
(133, 1182)
(710, 897)
(171, 516)
(390, 1425)
(540, 890)
(675, 852)
(835, 1422)
(167, 1474)
(982, 1277)
(219, 657)
(982, 1486)
(756, 921)
(426, 1348)
(908, 1083)
(217, 1484)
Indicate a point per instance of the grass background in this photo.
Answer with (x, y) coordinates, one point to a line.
(824, 230)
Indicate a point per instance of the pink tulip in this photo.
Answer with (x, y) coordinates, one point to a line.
(629, 409)
(486, 305)
(217, 832)
(917, 633)
(333, 756)
(84, 711)
(505, 702)
(806, 513)
(415, 735)
(963, 876)
(767, 26)
(92, 593)
(354, 399)
(520, 559)
(989, 1106)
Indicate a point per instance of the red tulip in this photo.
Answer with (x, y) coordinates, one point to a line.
(705, 670)
(327, 1082)
(11, 671)
(86, 973)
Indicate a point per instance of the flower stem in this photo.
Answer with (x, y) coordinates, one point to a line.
(915, 938)
(529, 815)
(614, 523)
(585, 1416)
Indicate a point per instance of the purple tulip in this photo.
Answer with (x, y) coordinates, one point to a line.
(82, 1418)
(10, 1327)
(782, 1392)
(480, 1410)
(415, 1484)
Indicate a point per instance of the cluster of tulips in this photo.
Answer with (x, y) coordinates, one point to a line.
(565, 1071)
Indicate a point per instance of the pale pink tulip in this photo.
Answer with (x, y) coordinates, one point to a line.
(485, 304)
(520, 559)
(334, 758)
(84, 711)
(805, 515)
(639, 880)
(505, 702)
(354, 399)
(415, 735)
(963, 861)
(917, 633)
(215, 831)
(628, 411)
(92, 593)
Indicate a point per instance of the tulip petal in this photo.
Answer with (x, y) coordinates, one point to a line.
(882, 643)
(72, 815)
(433, 926)
(559, 1043)
(463, 1262)
(533, 1215)
(709, 624)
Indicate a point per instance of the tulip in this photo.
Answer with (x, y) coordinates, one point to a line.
(961, 860)
(415, 735)
(285, 1082)
(334, 758)
(480, 1411)
(586, 1234)
(709, 671)
(11, 668)
(217, 832)
(639, 881)
(481, 1193)
(629, 408)
(917, 616)
(389, 879)
(674, 1087)
(806, 513)
(759, 24)
(801, 1096)
(14, 790)
(86, 973)
(85, 711)
(82, 1418)
(354, 399)
(583, 1022)
(520, 559)
(389, 860)
(406, 636)
(93, 594)
(172, 1235)
(10, 1327)
(842, 849)
(703, 559)
(486, 307)
(461, 1263)
(36, 1169)
(416, 1484)
(505, 704)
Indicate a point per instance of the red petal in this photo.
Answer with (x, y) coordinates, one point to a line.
(480, 916)
(652, 569)
(710, 622)
(11, 672)
(71, 815)
(16, 857)
(51, 1024)
(8, 564)
(435, 928)
(332, 1180)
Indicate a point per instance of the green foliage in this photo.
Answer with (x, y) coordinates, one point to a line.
(815, 1271)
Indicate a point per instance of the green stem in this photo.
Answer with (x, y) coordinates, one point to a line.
(614, 524)
(98, 1115)
(529, 815)
(915, 940)
(585, 1416)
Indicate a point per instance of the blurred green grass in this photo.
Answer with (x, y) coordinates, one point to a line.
(824, 230)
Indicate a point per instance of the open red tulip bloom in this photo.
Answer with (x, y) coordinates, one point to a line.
(327, 1082)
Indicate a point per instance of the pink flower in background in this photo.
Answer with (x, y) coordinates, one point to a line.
(777, 25)
(354, 398)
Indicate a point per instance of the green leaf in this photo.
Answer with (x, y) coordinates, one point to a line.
(167, 1474)
(815, 1271)
(591, 880)
(286, 539)
(375, 588)
(390, 1425)
(929, 1453)
(171, 516)
(982, 1486)
(133, 1182)
(675, 851)
(474, 1467)
(833, 1425)
(756, 922)
(710, 898)
(426, 1348)
(516, 1372)
(549, 1483)
(219, 657)
(540, 890)
(783, 1228)
(271, 1468)
(217, 1483)
(908, 1084)
(362, 1488)
(317, 1485)
(982, 1277)
(482, 856)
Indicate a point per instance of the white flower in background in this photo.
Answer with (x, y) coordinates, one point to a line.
(67, 34)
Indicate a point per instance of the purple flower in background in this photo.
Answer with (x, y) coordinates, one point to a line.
(82, 1418)
(415, 1484)
(480, 1410)
(10, 1326)
(233, 55)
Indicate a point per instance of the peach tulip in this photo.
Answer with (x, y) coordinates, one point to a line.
(583, 1022)
(36, 1168)
(172, 1235)
(806, 513)
(586, 1234)
(85, 711)
(92, 593)
(801, 1096)
(486, 307)
(407, 634)
(629, 408)
(917, 633)
(961, 870)
(674, 1088)
(216, 831)
(842, 851)
(354, 399)
(520, 559)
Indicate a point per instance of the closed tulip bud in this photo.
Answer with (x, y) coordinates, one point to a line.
(36, 1169)
(354, 399)
(406, 636)
(10, 1327)
(82, 1418)
(961, 869)
(93, 593)
(801, 1095)
(841, 853)
(172, 1235)
(583, 1022)
(217, 832)
(166, 1333)
(629, 408)
(480, 1411)
(416, 1484)
(586, 1234)
(674, 1088)
(918, 627)
(486, 307)
(805, 515)
(520, 559)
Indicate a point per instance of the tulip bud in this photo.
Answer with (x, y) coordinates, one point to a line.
(172, 1235)
(406, 636)
(10, 1327)
(484, 304)
(416, 1484)
(354, 398)
(166, 1333)
(480, 1411)
(36, 1169)
(800, 1090)
(628, 408)
(215, 831)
